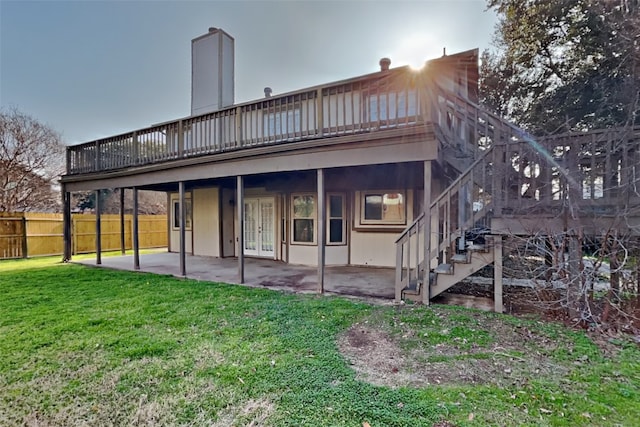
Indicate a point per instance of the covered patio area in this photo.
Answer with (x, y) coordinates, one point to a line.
(369, 282)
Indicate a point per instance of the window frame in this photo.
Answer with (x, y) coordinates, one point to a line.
(371, 223)
(175, 205)
(343, 217)
(314, 218)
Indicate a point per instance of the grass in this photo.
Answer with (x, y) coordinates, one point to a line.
(88, 346)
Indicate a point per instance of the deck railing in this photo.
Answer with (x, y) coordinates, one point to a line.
(595, 169)
(383, 100)
(509, 172)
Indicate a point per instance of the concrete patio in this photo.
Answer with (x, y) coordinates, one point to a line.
(368, 282)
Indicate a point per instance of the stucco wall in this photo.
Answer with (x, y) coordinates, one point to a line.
(373, 248)
(206, 222)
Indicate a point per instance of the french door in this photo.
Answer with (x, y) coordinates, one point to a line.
(259, 227)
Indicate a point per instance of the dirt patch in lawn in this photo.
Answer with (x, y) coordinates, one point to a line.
(485, 350)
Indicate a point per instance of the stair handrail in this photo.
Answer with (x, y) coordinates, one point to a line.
(415, 223)
(447, 93)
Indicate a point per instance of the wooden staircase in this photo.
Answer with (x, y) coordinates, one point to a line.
(509, 183)
(460, 241)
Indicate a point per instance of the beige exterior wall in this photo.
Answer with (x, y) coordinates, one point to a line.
(303, 254)
(206, 222)
(215, 227)
(373, 248)
(336, 255)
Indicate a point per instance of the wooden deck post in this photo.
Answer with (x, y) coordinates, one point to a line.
(240, 205)
(98, 229)
(321, 230)
(66, 224)
(398, 292)
(25, 237)
(135, 232)
(574, 294)
(183, 226)
(123, 247)
(498, 306)
(426, 293)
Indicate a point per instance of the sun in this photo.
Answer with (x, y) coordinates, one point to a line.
(414, 50)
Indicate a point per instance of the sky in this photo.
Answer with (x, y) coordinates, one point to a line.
(92, 69)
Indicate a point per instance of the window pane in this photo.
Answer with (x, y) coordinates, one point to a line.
(335, 206)
(176, 213)
(335, 231)
(303, 230)
(187, 205)
(303, 206)
(373, 207)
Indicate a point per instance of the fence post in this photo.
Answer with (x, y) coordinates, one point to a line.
(25, 253)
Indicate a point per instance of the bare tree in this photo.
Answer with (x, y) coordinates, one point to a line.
(31, 160)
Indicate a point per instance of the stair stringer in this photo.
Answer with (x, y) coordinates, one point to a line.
(460, 271)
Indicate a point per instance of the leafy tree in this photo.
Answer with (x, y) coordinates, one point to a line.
(564, 64)
(31, 159)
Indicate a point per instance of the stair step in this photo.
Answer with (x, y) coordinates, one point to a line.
(444, 269)
(460, 258)
(413, 288)
(478, 247)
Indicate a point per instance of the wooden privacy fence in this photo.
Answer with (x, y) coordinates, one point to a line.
(32, 234)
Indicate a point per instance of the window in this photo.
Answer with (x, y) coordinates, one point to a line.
(392, 105)
(282, 122)
(304, 216)
(176, 214)
(335, 217)
(382, 207)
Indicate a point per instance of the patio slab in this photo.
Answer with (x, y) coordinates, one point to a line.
(368, 282)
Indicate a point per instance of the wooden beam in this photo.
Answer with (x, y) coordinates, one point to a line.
(322, 229)
(135, 231)
(98, 229)
(123, 247)
(240, 205)
(183, 226)
(426, 203)
(497, 274)
(66, 220)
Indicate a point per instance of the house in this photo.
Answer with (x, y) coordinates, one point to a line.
(399, 168)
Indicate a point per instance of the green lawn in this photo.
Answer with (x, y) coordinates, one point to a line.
(89, 346)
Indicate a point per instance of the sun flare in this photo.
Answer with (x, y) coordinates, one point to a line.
(414, 50)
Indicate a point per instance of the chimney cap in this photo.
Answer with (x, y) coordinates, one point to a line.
(267, 92)
(384, 64)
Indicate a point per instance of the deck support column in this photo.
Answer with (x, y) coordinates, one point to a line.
(135, 231)
(240, 204)
(183, 226)
(66, 224)
(497, 274)
(574, 292)
(98, 229)
(321, 230)
(426, 263)
(123, 246)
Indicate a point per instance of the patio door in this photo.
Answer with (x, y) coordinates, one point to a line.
(259, 227)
